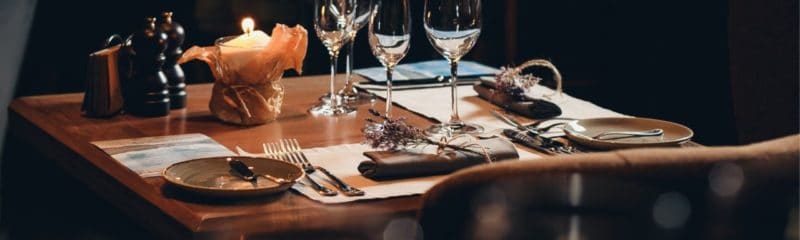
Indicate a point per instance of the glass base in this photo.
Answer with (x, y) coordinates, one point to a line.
(456, 128)
(325, 109)
(354, 99)
(358, 98)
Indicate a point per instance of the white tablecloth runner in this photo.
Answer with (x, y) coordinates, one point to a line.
(435, 103)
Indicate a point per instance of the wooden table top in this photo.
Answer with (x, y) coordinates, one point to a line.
(54, 125)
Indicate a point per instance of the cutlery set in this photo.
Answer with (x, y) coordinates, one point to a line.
(533, 136)
(288, 150)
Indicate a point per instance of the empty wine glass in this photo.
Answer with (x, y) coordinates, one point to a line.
(363, 9)
(390, 38)
(453, 27)
(333, 21)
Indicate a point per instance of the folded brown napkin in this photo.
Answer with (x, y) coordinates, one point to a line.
(423, 161)
(530, 107)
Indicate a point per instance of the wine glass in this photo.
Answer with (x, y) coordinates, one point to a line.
(363, 9)
(453, 27)
(390, 38)
(333, 21)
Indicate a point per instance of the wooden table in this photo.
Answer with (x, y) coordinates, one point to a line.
(53, 126)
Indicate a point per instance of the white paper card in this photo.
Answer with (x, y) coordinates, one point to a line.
(148, 156)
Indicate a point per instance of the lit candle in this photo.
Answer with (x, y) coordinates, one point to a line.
(244, 51)
(251, 37)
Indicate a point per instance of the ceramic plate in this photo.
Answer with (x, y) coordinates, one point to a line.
(582, 131)
(213, 176)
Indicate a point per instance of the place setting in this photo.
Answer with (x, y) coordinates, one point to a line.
(481, 114)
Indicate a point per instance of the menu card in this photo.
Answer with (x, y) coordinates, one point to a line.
(432, 71)
(149, 156)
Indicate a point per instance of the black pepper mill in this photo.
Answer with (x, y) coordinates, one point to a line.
(146, 93)
(175, 78)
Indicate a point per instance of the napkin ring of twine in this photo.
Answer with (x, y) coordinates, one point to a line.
(516, 72)
(444, 143)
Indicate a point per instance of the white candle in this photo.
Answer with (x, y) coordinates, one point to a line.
(250, 38)
(244, 49)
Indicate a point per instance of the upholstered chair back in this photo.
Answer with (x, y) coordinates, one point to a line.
(741, 192)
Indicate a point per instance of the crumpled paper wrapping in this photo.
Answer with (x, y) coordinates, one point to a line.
(247, 87)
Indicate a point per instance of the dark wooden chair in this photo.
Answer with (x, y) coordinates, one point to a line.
(744, 192)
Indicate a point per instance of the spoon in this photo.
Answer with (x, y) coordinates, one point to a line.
(646, 133)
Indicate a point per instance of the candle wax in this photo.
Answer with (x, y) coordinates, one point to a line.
(255, 38)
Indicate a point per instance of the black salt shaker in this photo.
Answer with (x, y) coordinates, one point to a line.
(175, 78)
(146, 92)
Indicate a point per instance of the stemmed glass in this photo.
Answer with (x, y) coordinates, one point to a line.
(333, 21)
(453, 27)
(390, 38)
(363, 9)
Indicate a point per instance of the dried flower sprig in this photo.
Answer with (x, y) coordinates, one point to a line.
(393, 134)
(512, 82)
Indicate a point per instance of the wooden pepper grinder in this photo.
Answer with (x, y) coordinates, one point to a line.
(146, 93)
(175, 78)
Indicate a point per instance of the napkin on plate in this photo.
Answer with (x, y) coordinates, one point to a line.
(530, 107)
(423, 161)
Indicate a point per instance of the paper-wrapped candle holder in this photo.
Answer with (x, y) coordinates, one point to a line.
(247, 70)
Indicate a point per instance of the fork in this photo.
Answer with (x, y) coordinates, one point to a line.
(532, 127)
(272, 150)
(294, 148)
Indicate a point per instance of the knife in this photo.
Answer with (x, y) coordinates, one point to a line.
(528, 141)
(244, 171)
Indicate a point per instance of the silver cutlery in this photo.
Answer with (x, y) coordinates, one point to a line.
(550, 145)
(537, 123)
(274, 151)
(627, 134)
(529, 141)
(547, 128)
(294, 148)
(532, 127)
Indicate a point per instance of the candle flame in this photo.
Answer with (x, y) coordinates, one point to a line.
(248, 25)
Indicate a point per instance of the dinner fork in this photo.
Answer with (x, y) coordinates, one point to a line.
(294, 148)
(272, 150)
(534, 128)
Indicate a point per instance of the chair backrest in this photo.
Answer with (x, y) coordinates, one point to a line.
(745, 192)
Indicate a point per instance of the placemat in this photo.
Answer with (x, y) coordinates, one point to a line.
(342, 161)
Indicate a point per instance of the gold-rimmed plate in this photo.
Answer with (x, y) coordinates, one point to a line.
(582, 132)
(214, 177)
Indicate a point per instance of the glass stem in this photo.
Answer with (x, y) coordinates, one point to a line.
(454, 118)
(389, 71)
(348, 82)
(334, 60)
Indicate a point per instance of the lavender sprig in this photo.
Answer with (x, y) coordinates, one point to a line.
(394, 134)
(511, 82)
(391, 134)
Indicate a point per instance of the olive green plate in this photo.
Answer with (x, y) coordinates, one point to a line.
(213, 176)
(581, 131)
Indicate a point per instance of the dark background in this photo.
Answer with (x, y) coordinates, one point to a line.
(727, 69)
